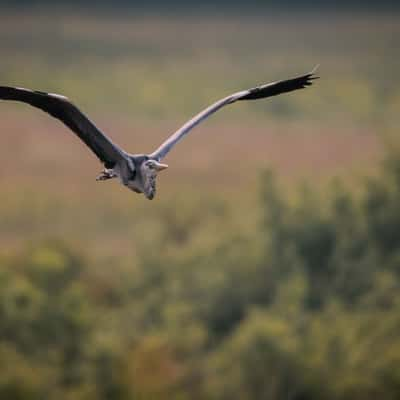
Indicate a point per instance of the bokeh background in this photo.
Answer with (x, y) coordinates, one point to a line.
(268, 266)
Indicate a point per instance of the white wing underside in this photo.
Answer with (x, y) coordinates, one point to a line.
(165, 147)
(259, 92)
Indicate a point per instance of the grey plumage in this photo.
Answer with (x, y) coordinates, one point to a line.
(259, 92)
(137, 172)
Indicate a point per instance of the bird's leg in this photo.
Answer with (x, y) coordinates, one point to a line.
(106, 174)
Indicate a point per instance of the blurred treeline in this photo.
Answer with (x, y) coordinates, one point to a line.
(231, 284)
(305, 306)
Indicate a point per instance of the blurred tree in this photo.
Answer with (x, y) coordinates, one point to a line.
(304, 306)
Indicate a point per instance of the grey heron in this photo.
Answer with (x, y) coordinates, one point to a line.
(138, 172)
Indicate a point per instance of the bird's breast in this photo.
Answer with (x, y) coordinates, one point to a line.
(135, 185)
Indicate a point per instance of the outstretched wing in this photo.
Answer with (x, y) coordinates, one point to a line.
(259, 92)
(61, 108)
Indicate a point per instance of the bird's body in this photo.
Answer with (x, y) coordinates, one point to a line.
(137, 172)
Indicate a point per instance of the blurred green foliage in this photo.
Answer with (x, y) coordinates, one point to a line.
(203, 294)
(305, 306)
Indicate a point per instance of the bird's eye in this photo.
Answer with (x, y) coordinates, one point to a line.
(150, 165)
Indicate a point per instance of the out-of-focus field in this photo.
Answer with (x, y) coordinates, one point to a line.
(235, 283)
(140, 77)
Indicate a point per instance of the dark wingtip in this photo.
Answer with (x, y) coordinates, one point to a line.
(311, 76)
(285, 86)
(314, 70)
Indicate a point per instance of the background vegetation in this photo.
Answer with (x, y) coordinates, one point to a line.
(267, 267)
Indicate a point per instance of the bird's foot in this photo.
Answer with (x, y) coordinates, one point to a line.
(106, 174)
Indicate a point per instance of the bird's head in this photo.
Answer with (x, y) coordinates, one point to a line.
(150, 169)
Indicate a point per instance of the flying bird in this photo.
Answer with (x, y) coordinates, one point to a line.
(138, 172)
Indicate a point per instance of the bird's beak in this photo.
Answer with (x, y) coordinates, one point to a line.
(160, 166)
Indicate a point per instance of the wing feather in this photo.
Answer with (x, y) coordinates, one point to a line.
(61, 108)
(259, 92)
